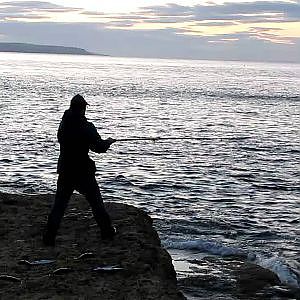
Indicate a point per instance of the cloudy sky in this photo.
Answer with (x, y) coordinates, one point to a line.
(212, 29)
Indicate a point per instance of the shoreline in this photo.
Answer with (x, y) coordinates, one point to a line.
(142, 268)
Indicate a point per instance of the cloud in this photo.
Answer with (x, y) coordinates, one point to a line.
(25, 6)
(31, 10)
(92, 13)
(121, 23)
(268, 35)
(164, 19)
(30, 4)
(163, 43)
(214, 31)
(217, 23)
(26, 17)
(216, 19)
(257, 10)
(168, 10)
(244, 12)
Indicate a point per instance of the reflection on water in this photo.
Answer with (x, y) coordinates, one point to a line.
(239, 186)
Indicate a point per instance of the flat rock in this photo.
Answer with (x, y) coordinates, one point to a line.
(145, 268)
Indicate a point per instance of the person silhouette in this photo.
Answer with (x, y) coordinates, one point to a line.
(76, 170)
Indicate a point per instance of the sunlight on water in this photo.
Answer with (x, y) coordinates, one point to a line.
(239, 186)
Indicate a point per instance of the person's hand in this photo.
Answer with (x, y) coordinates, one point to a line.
(111, 140)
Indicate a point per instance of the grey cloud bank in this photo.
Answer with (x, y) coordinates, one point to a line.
(156, 43)
(258, 10)
(255, 44)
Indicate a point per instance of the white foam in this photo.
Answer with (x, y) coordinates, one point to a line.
(212, 247)
(278, 266)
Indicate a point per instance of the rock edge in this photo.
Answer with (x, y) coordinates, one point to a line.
(147, 272)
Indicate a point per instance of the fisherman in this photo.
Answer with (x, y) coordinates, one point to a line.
(76, 171)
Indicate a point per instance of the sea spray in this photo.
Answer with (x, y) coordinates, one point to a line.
(212, 247)
(276, 264)
(281, 268)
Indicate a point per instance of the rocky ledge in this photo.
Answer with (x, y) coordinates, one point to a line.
(81, 266)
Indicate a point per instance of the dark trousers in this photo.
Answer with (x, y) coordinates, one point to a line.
(86, 185)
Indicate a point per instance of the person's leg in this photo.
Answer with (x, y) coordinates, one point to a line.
(89, 188)
(63, 194)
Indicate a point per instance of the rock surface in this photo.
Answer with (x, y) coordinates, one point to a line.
(147, 271)
(233, 278)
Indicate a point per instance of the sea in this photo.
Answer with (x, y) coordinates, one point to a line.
(223, 186)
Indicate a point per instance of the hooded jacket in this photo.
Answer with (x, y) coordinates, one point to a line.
(76, 137)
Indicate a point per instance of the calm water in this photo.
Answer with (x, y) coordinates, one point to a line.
(236, 192)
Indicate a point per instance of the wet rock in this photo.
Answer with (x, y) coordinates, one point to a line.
(219, 278)
(252, 278)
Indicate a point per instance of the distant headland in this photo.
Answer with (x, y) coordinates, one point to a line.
(49, 49)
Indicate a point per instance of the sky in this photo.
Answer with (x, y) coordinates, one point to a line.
(267, 30)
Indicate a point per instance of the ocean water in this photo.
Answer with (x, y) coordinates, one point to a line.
(233, 193)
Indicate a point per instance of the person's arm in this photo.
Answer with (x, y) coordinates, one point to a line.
(96, 143)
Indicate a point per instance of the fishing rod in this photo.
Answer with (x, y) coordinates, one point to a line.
(176, 138)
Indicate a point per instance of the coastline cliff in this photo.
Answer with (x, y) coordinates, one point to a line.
(49, 49)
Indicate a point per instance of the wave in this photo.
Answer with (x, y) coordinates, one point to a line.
(286, 274)
(212, 247)
(276, 187)
(121, 179)
(194, 94)
(276, 264)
